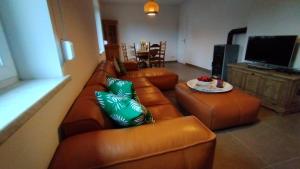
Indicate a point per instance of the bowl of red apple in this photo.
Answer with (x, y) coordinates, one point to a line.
(204, 80)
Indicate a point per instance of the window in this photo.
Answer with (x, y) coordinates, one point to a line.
(8, 74)
(98, 25)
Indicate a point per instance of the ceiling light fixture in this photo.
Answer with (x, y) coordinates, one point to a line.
(151, 8)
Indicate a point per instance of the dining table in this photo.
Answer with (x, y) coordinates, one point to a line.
(143, 56)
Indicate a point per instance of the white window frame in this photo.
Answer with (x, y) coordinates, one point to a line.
(8, 73)
(97, 14)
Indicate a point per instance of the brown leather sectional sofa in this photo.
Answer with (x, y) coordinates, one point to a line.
(91, 140)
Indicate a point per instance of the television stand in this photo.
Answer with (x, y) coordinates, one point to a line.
(288, 71)
(262, 67)
(278, 91)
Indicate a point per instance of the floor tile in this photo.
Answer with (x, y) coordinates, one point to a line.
(288, 124)
(289, 164)
(268, 144)
(231, 154)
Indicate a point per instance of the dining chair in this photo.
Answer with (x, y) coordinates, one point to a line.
(124, 51)
(154, 55)
(133, 51)
(163, 48)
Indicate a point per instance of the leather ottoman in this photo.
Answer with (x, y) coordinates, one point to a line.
(221, 110)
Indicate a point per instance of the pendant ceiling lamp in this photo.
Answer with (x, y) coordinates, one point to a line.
(151, 8)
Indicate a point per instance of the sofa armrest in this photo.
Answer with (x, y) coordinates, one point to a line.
(131, 65)
(185, 141)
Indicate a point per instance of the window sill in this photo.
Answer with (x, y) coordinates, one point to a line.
(21, 101)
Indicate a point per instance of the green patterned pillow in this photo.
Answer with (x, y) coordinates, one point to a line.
(125, 88)
(124, 111)
(120, 87)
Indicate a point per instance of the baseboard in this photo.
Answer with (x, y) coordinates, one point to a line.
(171, 61)
(199, 68)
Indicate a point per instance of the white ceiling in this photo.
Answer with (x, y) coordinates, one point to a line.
(143, 1)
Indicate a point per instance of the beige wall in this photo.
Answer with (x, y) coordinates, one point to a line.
(271, 17)
(205, 23)
(33, 145)
(134, 25)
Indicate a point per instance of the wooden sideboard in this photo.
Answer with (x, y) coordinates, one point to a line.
(277, 91)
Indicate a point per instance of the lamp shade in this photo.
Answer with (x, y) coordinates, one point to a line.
(151, 8)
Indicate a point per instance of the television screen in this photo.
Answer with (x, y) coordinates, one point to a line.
(275, 50)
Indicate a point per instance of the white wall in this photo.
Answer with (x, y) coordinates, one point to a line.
(205, 23)
(135, 26)
(34, 144)
(31, 38)
(275, 17)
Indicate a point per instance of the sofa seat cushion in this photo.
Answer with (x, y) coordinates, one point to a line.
(161, 77)
(164, 112)
(134, 74)
(84, 116)
(152, 99)
(146, 90)
(139, 82)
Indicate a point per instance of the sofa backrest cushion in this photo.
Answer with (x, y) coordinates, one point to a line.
(98, 78)
(85, 114)
(108, 67)
(89, 91)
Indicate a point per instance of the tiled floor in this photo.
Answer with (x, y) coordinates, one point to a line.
(272, 143)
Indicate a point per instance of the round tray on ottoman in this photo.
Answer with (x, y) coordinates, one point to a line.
(220, 110)
(209, 87)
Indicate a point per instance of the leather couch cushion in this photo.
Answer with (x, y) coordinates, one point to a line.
(134, 74)
(139, 82)
(146, 90)
(108, 67)
(85, 115)
(164, 112)
(152, 99)
(89, 91)
(171, 144)
(161, 77)
(221, 110)
(98, 78)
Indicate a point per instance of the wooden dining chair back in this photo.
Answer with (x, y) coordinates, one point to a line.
(124, 51)
(163, 48)
(133, 51)
(154, 55)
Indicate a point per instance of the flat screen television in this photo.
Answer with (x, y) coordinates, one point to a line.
(272, 50)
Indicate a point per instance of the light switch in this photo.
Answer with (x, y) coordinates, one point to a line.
(68, 50)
